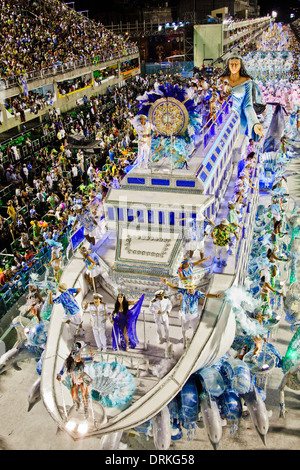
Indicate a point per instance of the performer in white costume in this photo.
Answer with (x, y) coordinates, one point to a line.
(143, 129)
(98, 317)
(161, 307)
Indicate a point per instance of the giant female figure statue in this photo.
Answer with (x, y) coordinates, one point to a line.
(241, 86)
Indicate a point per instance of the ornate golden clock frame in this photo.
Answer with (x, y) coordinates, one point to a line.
(169, 116)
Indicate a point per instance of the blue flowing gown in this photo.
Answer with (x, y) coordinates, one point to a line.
(242, 103)
(127, 321)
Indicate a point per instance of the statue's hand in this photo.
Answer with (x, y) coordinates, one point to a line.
(258, 129)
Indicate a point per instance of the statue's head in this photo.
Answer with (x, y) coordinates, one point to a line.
(235, 64)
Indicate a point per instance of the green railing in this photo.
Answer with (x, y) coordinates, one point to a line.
(18, 286)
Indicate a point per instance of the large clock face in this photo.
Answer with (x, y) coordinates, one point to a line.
(169, 116)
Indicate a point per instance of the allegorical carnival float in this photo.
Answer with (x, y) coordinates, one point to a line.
(221, 376)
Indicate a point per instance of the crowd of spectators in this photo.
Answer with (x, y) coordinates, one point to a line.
(43, 35)
(68, 86)
(47, 185)
(104, 74)
(35, 101)
(129, 65)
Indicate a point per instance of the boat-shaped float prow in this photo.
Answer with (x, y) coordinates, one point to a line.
(211, 340)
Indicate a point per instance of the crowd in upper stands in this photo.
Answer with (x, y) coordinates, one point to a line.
(43, 35)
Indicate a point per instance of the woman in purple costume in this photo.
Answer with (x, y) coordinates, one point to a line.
(124, 322)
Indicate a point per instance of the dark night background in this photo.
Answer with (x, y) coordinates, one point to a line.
(130, 10)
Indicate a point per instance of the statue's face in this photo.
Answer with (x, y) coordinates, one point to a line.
(234, 65)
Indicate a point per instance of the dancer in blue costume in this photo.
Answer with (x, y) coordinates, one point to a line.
(93, 268)
(242, 88)
(72, 311)
(186, 270)
(189, 304)
(124, 322)
(89, 224)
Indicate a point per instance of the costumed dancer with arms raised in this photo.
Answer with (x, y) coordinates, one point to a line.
(189, 305)
(72, 311)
